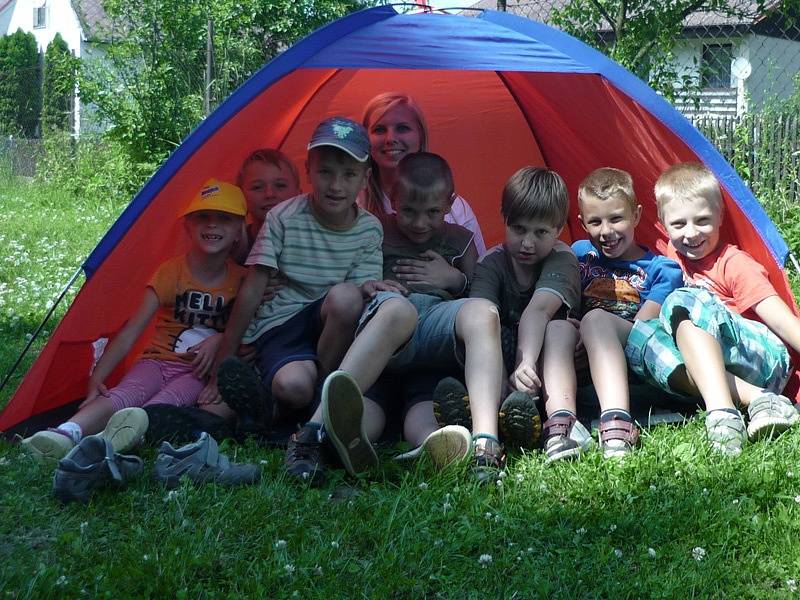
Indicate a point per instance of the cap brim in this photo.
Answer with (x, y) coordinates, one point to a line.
(349, 151)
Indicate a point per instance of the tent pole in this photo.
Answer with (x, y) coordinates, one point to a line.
(40, 327)
(796, 264)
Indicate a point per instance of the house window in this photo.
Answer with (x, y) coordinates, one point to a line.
(716, 65)
(40, 17)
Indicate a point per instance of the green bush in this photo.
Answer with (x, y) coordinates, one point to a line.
(20, 90)
(58, 86)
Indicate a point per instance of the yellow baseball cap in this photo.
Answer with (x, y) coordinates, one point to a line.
(218, 195)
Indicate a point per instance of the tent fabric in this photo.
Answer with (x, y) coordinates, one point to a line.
(498, 91)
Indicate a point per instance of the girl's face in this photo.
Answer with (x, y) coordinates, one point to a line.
(393, 136)
(265, 185)
(213, 231)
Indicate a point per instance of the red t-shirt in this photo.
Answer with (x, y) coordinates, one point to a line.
(732, 274)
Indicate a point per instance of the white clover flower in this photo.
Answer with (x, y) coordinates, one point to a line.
(612, 528)
(334, 544)
(438, 543)
(698, 553)
(651, 552)
(280, 544)
(520, 478)
(289, 568)
(171, 495)
(797, 499)
(145, 557)
(499, 483)
(530, 549)
(789, 474)
(735, 501)
(423, 486)
(543, 487)
(4, 461)
(653, 488)
(487, 516)
(705, 492)
(485, 560)
(502, 474)
(792, 585)
(318, 571)
(580, 531)
(83, 526)
(617, 552)
(446, 506)
(28, 337)
(62, 580)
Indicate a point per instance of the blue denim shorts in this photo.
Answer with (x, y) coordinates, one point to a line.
(434, 344)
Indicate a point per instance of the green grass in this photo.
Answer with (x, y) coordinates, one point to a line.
(582, 529)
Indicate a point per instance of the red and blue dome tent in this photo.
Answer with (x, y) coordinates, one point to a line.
(499, 92)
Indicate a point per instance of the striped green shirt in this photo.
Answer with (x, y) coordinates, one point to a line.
(313, 258)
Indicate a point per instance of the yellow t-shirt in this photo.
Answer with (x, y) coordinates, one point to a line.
(189, 311)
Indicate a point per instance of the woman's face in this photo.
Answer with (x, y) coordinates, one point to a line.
(393, 136)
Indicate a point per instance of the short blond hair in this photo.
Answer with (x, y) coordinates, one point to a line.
(535, 193)
(607, 182)
(688, 181)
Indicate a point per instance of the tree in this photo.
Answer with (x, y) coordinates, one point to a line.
(150, 84)
(20, 90)
(58, 86)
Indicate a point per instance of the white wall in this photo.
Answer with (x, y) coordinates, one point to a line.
(61, 19)
(775, 63)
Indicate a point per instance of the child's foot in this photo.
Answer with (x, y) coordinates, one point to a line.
(242, 389)
(489, 458)
(770, 415)
(304, 456)
(519, 421)
(343, 416)
(451, 403)
(450, 444)
(618, 436)
(49, 445)
(126, 428)
(565, 437)
(726, 432)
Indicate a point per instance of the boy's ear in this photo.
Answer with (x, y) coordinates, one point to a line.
(637, 215)
(580, 220)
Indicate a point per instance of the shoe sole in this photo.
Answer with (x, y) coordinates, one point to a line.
(451, 403)
(769, 428)
(343, 416)
(519, 421)
(47, 448)
(241, 389)
(126, 428)
(448, 445)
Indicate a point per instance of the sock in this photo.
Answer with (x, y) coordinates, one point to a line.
(615, 413)
(73, 429)
(563, 413)
(732, 411)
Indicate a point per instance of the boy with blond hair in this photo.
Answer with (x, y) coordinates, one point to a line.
(622, 282)
(533, 280)
(724, 336)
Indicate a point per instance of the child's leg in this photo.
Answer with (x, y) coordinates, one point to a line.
(704, 364)
(294, 383)
(558, 369)
(340, 313)
(604, 336)
(419, 423)
(181, 387)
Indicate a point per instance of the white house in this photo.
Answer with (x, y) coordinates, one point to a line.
(78, 22)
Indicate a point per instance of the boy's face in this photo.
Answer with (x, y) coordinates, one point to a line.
(420, 220)
(692, 226)
(610, 225)
(265, 185)
(213, 231)
(529, 241)
(336, 179)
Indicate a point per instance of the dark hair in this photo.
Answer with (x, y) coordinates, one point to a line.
(422, 175)
(535, 193)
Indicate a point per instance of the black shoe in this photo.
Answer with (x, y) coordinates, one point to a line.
(180, 424)
(519, 421)
(489, 459)
(451, 403)
(304, 456)
(242, 389)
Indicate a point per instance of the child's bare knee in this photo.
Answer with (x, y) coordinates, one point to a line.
(295, 388)
(478, 314)
(593, 321)
(344, 302)
(398, 314)
(559, 330)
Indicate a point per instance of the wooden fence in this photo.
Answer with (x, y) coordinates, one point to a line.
(764, 148)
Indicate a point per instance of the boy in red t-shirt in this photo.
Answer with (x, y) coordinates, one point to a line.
(724, 336)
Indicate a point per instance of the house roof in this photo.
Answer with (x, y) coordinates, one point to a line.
(540, 10)
(4, 3)
(92, 16)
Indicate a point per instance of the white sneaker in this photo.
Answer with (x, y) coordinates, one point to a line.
(126, 428)
(49, 445)
(726, 432)
(770, 415)
(445, 446)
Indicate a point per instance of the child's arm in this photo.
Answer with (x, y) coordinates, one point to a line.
(776, 315)
(530, 337)
(121, 345)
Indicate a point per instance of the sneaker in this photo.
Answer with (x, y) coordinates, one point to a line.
(48, 445)
(489, 459)
(618, 437)
(89, 465)
(304, 456)
(343, 416)
(565, 437)
(519, 420)
(770, 415)
(445, 446)
(182, 424)
(201, 462)
(726, 432)
(451, 403)
(126, 428)
(242, 389)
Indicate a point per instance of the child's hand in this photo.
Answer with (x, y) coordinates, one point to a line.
(430, 269)
(204, 354)
(210, 393)
(276, 282)
(94, 389)
(525, 379)
(372, 287)
(247, 352)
